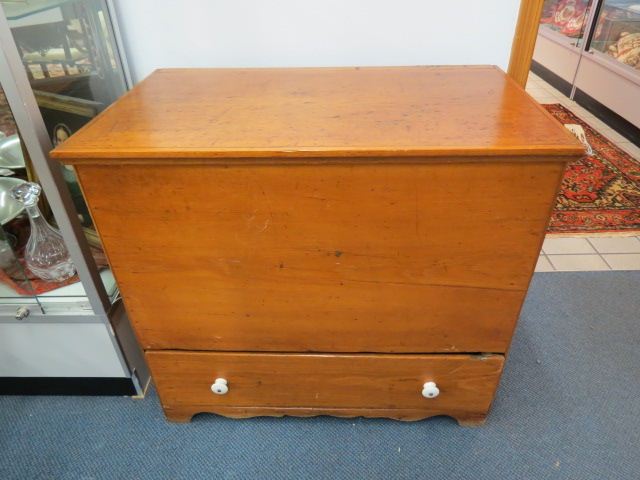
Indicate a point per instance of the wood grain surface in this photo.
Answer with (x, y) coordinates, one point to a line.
(185, 413)
(325, 112)
(362, 383)
(391, 216)
(338, 257)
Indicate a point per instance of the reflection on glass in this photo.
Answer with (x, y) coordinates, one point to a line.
(617, 31)
(567, 17)
(67, 51)
(20, 280)
(14, 279)
(70, 56)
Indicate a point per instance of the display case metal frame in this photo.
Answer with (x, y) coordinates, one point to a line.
(29, 120)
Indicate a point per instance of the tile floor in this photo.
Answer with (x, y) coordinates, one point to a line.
(580, 253)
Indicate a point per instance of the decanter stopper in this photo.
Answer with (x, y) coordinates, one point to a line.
(46, 254)
(27, 193)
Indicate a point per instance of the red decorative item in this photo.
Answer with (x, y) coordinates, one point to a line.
(573, 28)
(548, 12)
(601, 192)
(33, 285)
(565, 11)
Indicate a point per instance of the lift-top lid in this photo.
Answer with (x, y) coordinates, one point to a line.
(322, 112)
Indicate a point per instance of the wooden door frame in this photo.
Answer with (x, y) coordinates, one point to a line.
(524, 40)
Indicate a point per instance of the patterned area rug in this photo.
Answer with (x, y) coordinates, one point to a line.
(601, 192)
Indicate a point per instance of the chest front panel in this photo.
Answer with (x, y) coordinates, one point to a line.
(350, 257)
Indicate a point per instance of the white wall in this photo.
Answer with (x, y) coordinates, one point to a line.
(259, 33)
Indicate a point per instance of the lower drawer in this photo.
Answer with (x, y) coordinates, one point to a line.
(308, 384)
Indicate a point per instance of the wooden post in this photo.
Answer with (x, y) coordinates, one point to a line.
(524, 40)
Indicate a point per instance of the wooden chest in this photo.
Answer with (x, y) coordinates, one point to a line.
(344, 241)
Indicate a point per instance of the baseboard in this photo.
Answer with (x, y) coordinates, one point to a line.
(86, 386)
(608, 116)
(556, 81)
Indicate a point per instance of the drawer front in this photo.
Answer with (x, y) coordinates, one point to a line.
(463, 384)
(360, 257)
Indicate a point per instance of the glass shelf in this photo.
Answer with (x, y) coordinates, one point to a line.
(73, 290)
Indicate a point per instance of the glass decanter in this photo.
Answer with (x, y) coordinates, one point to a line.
(46, 254)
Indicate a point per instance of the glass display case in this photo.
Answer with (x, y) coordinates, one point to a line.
(69, 54)
(60, 66)
(590, 51)
(19, 284)
(617, 31)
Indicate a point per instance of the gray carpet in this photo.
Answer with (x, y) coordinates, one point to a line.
(568, 407)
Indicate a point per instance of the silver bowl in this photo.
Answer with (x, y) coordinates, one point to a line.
(10, 152)
(9, 207)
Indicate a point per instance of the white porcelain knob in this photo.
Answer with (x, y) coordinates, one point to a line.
(219, 386)
(430, 390)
